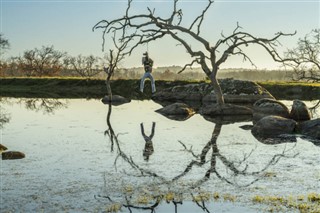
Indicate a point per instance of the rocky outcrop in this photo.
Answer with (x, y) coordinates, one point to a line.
(116, 100)
(299, 111)
(177, 111)
(272, 120)
(273, 126)
(234, 91)
(265, 107)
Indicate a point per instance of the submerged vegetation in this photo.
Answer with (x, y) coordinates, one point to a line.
(303, 203)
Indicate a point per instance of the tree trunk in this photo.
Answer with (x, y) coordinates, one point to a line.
(217, 89)
(109, 91)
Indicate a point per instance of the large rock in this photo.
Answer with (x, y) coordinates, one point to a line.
(266, 106)
(234, 91)
(299, 111)
(310, 128)
(12, 155)
(273, 126)
(177, 111)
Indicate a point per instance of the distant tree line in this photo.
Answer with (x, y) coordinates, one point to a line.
(47, 61)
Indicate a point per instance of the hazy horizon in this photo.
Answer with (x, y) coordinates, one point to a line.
(67, 25)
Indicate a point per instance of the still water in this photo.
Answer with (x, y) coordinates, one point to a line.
(77, 160)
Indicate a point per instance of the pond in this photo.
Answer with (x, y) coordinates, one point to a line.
(77, 160)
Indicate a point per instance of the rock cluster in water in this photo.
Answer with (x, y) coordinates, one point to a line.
(272, 119)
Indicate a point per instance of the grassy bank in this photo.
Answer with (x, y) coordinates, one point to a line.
(293, 90)
(96, 88)
(76, 87)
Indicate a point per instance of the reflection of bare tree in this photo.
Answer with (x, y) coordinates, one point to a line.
(109, 131)
(47, 105)
(240, 168)
(235, 168)
(4, 117)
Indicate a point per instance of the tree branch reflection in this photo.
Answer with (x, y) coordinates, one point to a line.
(232, 166)
(227, 170)
(46, 105)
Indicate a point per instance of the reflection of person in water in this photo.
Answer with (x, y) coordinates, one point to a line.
(148, 148)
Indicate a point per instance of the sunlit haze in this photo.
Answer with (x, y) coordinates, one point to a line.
(67, 25)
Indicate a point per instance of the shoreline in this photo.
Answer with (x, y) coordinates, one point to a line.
(56, 87)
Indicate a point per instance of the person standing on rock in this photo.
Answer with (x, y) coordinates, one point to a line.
(147, 64)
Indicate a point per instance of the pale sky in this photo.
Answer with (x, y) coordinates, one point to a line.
(67, 25)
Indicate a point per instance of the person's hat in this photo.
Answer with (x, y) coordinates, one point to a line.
(146, 53)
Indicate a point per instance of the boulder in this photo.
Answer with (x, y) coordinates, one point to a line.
(12, 155)
(116, 100)
(273, 126)
(299, 111)
(310, 128)
(266, 106)
(177, 111)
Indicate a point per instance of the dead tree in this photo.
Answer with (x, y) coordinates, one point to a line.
(114, 57)
(305, 58)
(139, 29)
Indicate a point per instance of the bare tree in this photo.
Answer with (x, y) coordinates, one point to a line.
(85, 66)
(305, 58)
(41, 62)
(143, 28)
(114, 57)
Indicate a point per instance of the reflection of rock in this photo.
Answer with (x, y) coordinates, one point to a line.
(273, 126)
(226, 114)
(246, 127)
(177, 111)
(300, 111)
(265, 107)
(228, 119)
(234, 91)
(276, 140)
(310, 128)
(12, 155)
(226, 109)
(116, 100)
